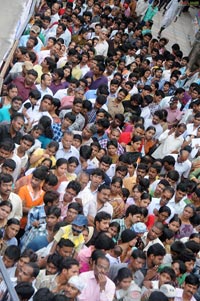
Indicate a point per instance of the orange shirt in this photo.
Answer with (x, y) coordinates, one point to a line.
(28, 199)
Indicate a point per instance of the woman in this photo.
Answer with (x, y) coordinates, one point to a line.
(112, 147)
(186, 228)
(116, 199)
(47, 134)
(67, 75)
(54, 111)
(135, 147)
(5, 210)
(60, 171)
(175, 224)
(126, 289)
(137, 191)
(148, 141)
(128, 242)
(12, 91)
(11, 230)
(36, 132)
(163, 214)
(40, 154)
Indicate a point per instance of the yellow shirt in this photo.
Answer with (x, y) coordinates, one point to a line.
(66, 232)
(38, 152)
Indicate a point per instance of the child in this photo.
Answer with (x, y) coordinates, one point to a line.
(29, 105)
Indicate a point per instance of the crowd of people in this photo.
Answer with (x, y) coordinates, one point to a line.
(99, 157)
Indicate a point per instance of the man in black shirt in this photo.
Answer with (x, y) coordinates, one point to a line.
(12, 130)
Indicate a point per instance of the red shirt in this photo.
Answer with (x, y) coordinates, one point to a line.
(23, 89)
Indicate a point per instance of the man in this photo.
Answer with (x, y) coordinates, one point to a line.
(41, 110)
(101, 125)
(6, 194)
(7, 112)
(98, 285)
(12, 130)
(102, 45)
(178, 201)
(155, 121)
(28, 273)
(66, 150)
(183, 164)
(32, 194)
(72, 232)
(137, 261)
(26, 84)
(79, 123)
(190, 287)
(58, 282)
(86, 134)
(152, 236)
(114, 134)
(101, 203)
(101, 224)
(97, 76)
(74, 288)
(170, 141)
(90, 191)
(34, 32)
(155, 255)
(44, 85)
(115, 106)
(60, 128)
(26, 142)
(156, 203)
(132, 216)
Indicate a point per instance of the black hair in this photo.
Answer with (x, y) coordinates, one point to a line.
(169, 271)
(43, 294)
(156, 250)
(100, 216)
(24, 290)
(75, 185)
(53, 210)
(13, 252)
(104, 242)
(133, 210)
(65, 243)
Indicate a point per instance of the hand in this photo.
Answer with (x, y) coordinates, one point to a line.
(171, 130)
(102, 281)
(151, 273)
(36, 224)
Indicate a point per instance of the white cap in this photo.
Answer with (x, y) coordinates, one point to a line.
(168, 290)
(77, 282)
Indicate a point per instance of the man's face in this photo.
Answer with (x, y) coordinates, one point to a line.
(25, 145)
(139, 132)
(71, 291)
(45, 105)
(51, 220)
(22, 261)
(65, 251)
(103, 225)
(141, 173)
(164, 278)
(77, 108)
(136, 264)
(179, 195)
(96, 180)
(16, 105)
(152, 173)
(73, 271)
(103, 196)
(179, 131)
(104, 166)
(154, 233)
(189, 290)
(51, 269)
(25, 274)
(69, 195)
(71, 215)
(6, 188)
(101, 268)
(155, 119)
(67, 141)
(30, 79)
(8, 262)
(86, 133)
(4, 154)
(35, 183)
(165, 197)
(157, 260)
(17, 124)
(47, 80)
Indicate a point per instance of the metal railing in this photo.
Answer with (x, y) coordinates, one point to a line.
(10, 293)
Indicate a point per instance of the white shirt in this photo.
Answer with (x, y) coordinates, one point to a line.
(45, 91)
(35, 115)
(169, 143)
(102, 48)
(182, 168)
(87, 196)
(92, 209)
(158, 127)
(177, 207)
(66, 154)
(24, 159)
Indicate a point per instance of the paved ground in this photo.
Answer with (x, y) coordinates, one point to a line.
(181, 31)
